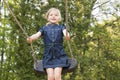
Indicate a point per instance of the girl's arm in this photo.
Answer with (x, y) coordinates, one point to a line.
(66, 34)
(33, 37)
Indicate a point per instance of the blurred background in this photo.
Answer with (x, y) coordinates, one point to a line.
(94, 26)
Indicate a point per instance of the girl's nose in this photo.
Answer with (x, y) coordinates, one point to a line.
(53, 16)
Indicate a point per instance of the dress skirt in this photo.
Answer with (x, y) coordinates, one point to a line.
(55, 56)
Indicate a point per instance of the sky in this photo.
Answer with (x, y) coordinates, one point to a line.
(107, 10)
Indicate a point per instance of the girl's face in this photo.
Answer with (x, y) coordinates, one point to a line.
(54, 17)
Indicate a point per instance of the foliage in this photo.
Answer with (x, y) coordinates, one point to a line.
(96, 47)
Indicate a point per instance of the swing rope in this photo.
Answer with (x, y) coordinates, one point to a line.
(33, 52)
(67, 27)
(13, 15)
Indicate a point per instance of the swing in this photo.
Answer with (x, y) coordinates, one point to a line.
(38, 65)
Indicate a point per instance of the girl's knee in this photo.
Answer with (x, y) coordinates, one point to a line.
(50, 77)
(50, 73)
(57, 73)
(57, 76)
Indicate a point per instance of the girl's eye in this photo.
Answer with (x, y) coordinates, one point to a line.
(56, 15)
(51, 15)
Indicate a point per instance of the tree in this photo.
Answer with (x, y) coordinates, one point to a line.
(94, 41)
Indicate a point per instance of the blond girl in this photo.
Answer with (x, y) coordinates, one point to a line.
(54, 57)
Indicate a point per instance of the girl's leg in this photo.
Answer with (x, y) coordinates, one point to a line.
(50, 73)
(57, 73)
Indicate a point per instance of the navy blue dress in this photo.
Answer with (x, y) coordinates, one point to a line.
(54, 54)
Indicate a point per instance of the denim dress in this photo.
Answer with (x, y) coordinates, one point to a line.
(54, 54)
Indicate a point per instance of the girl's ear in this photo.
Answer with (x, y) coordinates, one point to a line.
(60, 19)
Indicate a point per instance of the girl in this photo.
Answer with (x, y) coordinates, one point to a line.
(54, 57)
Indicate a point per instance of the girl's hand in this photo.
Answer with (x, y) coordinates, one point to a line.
(67, 36)
(29, 40)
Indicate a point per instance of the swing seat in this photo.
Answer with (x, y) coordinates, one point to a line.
(38, 66)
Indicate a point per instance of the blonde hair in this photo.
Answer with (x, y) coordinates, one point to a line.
(53, 9)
